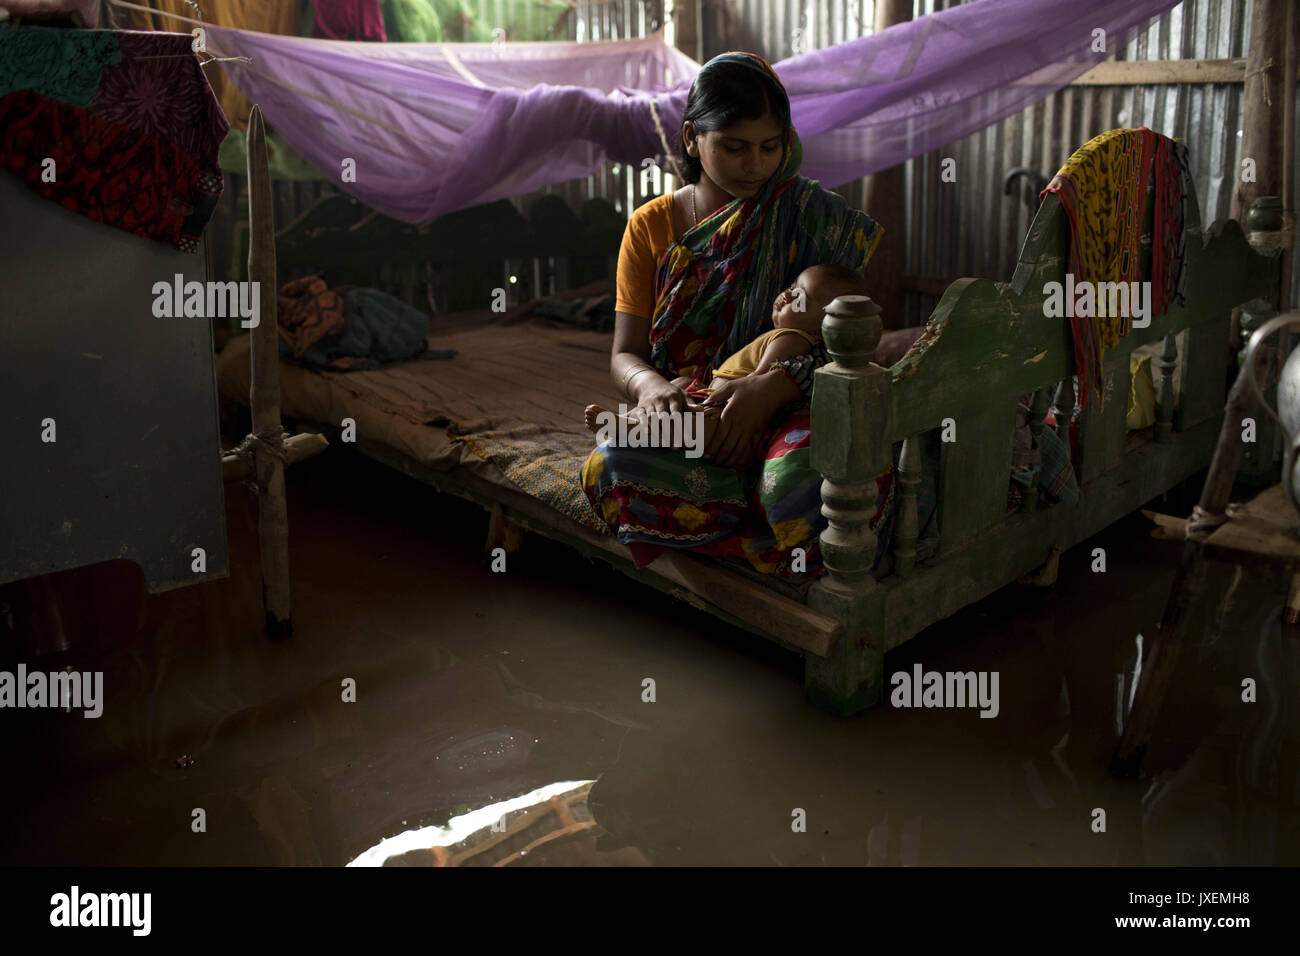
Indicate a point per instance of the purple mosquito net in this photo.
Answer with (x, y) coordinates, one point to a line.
(436, 127)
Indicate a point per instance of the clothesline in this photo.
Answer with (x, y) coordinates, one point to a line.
(162, 13)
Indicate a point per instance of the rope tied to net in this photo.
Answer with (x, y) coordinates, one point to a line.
(669, 152)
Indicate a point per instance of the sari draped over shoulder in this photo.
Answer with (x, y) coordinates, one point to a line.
(714, 290)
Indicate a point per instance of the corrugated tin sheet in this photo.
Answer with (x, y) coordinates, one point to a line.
(976, 229)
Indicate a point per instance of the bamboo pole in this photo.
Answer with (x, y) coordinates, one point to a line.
(264, 392)
(1262, 107)
(883, 201)
(1263, 116)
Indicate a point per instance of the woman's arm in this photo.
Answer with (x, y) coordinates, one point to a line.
(632, 372)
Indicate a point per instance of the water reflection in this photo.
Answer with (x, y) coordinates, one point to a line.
(550, 826)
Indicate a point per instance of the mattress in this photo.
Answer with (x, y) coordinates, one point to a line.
(515, 379)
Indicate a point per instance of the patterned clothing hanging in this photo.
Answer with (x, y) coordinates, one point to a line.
(119, 127)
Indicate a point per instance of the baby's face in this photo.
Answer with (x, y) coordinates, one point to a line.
(793, 306)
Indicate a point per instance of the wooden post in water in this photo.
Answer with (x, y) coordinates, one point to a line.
(264, 392)
(849, 414)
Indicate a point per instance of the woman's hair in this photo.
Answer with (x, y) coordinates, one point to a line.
(728, 89)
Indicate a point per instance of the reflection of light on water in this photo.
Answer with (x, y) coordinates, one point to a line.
(461, 827)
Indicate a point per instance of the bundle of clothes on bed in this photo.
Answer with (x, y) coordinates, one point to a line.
(348, 329)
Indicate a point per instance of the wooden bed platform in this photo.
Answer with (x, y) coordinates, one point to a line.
(986, 345)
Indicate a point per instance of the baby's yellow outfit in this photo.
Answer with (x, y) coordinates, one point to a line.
(745, 362)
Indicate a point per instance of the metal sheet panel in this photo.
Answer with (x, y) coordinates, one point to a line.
(135, 468)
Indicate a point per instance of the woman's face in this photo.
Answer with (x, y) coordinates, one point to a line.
(741, 157)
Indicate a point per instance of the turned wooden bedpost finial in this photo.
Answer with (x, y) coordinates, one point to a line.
(846, 450)
(850, 415)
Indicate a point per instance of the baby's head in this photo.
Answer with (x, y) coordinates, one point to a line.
(815, 289)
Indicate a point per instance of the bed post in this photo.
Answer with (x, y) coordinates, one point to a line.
(849, 448)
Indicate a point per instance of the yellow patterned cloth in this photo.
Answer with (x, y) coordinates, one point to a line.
(1103, 188)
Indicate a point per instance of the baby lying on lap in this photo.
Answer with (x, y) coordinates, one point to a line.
(797, 319)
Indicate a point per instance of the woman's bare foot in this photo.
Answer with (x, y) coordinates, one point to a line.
(706, 422)
(591, 417)
(593, 414)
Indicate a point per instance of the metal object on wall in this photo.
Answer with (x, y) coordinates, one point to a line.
(1287, 413)
(130, 399)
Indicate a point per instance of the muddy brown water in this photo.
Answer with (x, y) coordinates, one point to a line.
(517, 697)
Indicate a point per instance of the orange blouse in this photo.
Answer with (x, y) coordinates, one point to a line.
(648, 235)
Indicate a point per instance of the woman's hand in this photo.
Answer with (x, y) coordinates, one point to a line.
(655, 394)
(747, 412)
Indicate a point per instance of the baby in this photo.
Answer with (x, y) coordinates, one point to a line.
(796, 317)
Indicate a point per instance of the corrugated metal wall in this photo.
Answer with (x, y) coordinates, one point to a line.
(975, 230)
(625, 186)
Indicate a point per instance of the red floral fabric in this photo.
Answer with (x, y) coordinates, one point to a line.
(142, 157)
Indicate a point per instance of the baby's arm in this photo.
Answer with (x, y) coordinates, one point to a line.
(781, 347)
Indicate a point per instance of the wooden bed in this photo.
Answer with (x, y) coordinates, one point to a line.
(985, 345)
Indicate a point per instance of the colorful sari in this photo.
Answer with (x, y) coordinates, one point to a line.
(713, 293)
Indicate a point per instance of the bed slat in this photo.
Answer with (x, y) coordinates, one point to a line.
(973, 473)
(1102, 431)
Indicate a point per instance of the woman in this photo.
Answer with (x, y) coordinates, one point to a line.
(698, 272)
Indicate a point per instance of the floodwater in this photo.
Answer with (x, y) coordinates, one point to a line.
(499, 719)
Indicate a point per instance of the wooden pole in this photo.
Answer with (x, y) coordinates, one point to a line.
(264, 392)
(1263, 102)
(1288, 159)
(883, 201)
(1264, 99)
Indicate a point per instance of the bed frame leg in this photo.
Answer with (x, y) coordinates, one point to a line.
(850, 451)
(852, 678)
(502, 532)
